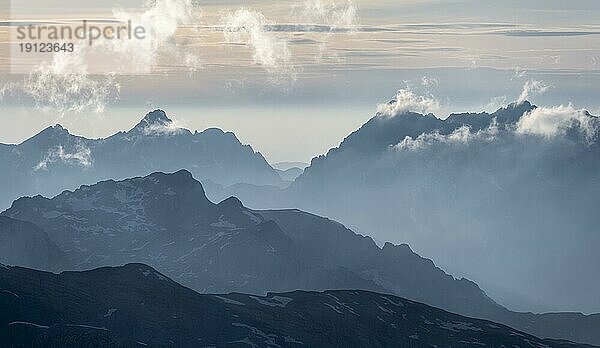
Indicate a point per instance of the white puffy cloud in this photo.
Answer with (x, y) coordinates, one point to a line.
(519, 73)
(407, 101)
(461, 136)
(161, 22)
(66, 86)
(429, 82)
(550, 122)
(333, 16)
(163, 128)
(329, 13)
(532, 87)
(82, 157)
(270, 51)
(87, 79)
(270, 42)
(496, 103)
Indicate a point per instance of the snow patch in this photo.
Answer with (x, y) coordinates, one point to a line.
(156, 274)
(229, 301)
(457, 326)
(28, 324)
(275, 301)
(51, 214)
(269, 338)
(222, 223)
(9, 292)
(110, 312)
(88, 327)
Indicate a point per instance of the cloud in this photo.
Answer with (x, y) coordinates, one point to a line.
(519, 73)
(532, 87)
(161, 22)
(461, 136)
(329, 13)
(407, 101)
(87, 79)
(8, 88)
(270, 41)
(496, 103)
(269, 51)
(546, 33)
(82, 157)
(66, 86)
(556, 121)
(429, 82)
(163, 128)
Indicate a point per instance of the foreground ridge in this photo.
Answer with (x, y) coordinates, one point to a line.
(136, 305)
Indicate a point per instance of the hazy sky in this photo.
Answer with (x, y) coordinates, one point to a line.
(293, 77)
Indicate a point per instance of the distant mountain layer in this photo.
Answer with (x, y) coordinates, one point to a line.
(290, 165)
(166, 221)
(25, 244)
(290, 174)
(55, 160)
(509, 198)
(135, 305)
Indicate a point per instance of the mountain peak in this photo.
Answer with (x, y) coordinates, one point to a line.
(231, 203)
(181, 184)
(157, 123)
(156, 116)
(180, 178)
(56, 129)
(513, 112)
(49, 136)
(181, 175)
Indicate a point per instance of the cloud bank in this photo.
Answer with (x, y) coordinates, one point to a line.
(163, 128)
(550, 122)
(532, 87)
(461, 136)
(161, 21)
(328, 13)
(87, 79)
(407, 101)
(66, 86)
(269, 51)
(82, 157)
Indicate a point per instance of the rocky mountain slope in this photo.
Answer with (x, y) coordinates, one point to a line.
(54, 159)
(135, 305)
(507, 198)
(166, 221)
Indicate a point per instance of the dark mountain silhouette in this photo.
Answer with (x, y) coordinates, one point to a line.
(478, 192)
(135, 305)
(166, 221)
(55, 160)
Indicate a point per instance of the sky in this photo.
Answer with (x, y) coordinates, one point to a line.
(293, 78)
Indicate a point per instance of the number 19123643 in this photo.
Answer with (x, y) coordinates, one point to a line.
(46, 47)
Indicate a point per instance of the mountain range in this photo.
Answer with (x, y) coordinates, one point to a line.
(507, 198)
(54, 159)
(167, 222)
(134, 306)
